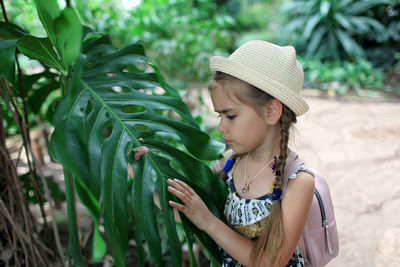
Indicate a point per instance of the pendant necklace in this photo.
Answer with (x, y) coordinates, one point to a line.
(246, 185)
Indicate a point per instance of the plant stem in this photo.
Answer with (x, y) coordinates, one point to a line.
(4, 11)
(74, 243)
(22, 126)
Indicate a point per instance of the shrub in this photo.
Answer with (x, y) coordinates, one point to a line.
(332, 29)
(342, 76)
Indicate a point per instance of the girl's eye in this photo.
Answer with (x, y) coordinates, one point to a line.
(230, 117)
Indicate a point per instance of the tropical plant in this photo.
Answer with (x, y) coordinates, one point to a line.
(332, 29)
(384, 51)
(343, 76)
(182, 35)
(22, 96)
(112, 97)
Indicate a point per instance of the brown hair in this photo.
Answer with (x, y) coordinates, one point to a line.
(273, 235)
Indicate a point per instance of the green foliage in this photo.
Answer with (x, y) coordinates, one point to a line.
(111, 97)
(332, 29)
(182, 35)
(342, 76)
(383, 51)
(55, 191)
(40, 87)
(7, 54)
(259, 20)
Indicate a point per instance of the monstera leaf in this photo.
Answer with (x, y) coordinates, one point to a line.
(114, 98)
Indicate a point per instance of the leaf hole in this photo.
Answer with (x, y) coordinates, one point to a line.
(89, 108)
(159, 90)
(153, 175)
(131, 172)
(133, 109)
(107, 115)
(167, 137)
(168, 113)
(140, 128)
(120, 89)
(107, 130)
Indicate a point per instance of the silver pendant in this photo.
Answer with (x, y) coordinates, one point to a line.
(245, 188)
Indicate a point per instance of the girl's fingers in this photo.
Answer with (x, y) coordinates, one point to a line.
(185, 186)
(180, 187)
(178, 206)
(140, 151)
(179, 194)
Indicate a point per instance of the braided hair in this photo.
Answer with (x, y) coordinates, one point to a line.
(273, 234)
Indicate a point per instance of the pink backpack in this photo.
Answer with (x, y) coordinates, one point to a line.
(319, 242)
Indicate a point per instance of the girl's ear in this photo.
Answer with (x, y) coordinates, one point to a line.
(273, 111)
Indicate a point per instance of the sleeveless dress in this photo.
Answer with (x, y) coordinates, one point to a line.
(248, 216)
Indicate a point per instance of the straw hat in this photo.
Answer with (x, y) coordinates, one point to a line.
(271, 68)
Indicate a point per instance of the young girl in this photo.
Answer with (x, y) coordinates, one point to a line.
(256, 92)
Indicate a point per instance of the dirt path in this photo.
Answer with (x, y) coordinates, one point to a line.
(356, 145)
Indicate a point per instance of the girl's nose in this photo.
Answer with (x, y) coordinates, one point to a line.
(221, 128)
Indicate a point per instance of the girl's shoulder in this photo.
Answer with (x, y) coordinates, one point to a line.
(227, 154)
(219, 164)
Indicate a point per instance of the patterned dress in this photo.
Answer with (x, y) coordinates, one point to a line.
(248, 217)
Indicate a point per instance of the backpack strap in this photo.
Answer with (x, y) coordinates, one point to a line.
(292, 162)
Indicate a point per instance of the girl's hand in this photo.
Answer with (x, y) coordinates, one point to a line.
(193, 207)
(140, 151)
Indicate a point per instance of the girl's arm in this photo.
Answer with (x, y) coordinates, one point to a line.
(295, 207)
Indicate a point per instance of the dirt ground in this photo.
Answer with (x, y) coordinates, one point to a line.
(355, 144)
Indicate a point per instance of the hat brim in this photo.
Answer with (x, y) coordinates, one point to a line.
(287, 96)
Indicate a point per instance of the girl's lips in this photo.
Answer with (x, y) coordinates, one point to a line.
(228, 141)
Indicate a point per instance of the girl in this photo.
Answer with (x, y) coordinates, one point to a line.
(256, 92)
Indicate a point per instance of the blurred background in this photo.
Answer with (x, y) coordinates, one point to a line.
(350, 52)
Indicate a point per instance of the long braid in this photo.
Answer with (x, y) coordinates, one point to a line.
(285, 122)
(273, 235)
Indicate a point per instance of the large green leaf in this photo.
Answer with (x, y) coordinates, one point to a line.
(358, 7)
(11, 31)
(316, 40)
(68, 33)
(99, 121)
(349, 45)
(48, 11)
(311, 24)
(42, 50)
(7, 62)
(63, 28)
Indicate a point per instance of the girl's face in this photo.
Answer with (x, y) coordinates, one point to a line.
(243, 128)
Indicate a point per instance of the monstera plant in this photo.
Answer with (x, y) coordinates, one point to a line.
(112, 98)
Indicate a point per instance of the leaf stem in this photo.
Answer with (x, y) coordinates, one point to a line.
(75, 244)
(4, 11)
